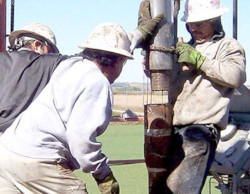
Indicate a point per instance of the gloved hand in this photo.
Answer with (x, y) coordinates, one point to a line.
(135, 38)
(146, 25)
(108, 185)
(189, 55)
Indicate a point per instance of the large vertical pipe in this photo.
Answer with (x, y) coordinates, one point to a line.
(158, 116)
(235, 18)
(2, 25)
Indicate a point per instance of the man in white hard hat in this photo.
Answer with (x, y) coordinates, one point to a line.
(213, 67)
(57, 132)
(25, 69)
(210, 67)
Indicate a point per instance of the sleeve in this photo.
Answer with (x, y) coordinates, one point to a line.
(89, 118)
(229, 67)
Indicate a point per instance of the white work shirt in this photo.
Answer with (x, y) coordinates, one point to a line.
(64, 121)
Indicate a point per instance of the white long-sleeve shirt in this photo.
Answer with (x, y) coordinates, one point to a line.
(64, 121)
(204, 95)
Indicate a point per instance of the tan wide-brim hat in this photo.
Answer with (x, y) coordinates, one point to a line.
(109, 37)
(35, 31)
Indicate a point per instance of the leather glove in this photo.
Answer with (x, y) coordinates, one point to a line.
(189, 55)
(146, 25)
(108, 185)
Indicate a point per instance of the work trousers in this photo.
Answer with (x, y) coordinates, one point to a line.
(194, 149)
(19, 174)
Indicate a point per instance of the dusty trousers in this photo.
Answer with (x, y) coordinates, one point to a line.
(19, 174)
(193, 153)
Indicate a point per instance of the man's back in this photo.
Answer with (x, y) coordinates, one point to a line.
(23, 75)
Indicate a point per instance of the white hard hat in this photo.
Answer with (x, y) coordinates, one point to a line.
(109, 37)
(200, 10)
(35, 31)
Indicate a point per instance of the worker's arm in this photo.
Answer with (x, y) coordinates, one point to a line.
(226, 69)
(229, 67)
(89, 118)
(146, 25)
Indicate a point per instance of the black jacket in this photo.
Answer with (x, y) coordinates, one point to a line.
(23, 75)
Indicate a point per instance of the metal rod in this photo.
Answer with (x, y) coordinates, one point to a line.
(12, 15)
(120, 162)
(2, 25)
(235, 18)
(176, 12)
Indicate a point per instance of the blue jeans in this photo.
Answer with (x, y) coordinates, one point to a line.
(194, 149)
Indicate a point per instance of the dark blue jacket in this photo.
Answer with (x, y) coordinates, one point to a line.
(23, 75)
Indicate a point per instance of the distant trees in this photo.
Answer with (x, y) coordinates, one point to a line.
(125, 87)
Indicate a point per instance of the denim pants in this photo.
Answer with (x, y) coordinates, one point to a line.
(194, 149)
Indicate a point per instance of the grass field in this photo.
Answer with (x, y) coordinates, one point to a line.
(125, 141)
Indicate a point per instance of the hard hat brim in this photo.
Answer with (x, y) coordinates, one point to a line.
(19, 33)
(115, 51)
(204, 17)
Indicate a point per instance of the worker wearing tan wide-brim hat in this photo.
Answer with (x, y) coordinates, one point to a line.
(58, 132)
(34, 32)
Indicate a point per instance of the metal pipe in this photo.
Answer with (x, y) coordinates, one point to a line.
(12, 14)
(160, 60)
(123, 162)
(158, 115)
(157, 146)
(235, 19)
(176, 13)
(2, 25)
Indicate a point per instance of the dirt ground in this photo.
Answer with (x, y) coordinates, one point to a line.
(132, 102)
(135, 102)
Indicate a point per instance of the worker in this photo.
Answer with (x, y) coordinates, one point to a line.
(25, 69)
(57, 133)
(210, 67)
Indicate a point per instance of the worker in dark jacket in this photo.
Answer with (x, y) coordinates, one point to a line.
(25, 69)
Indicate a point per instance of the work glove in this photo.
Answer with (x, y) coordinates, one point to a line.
(146, 25)
(189, 55)
(108, 185)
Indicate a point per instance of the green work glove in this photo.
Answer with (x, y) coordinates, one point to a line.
(147, 24)
(189, 55)
(108, 185)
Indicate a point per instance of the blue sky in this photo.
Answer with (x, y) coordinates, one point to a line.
(73, 20)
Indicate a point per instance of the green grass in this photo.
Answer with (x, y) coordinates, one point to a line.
(122, 142)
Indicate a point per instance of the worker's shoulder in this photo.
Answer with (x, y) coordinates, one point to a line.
(230, 41)
(230, 44)
(53, 56)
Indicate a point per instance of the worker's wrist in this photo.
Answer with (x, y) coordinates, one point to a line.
(101, 177)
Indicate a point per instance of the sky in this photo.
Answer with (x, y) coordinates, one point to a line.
(73, 20)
